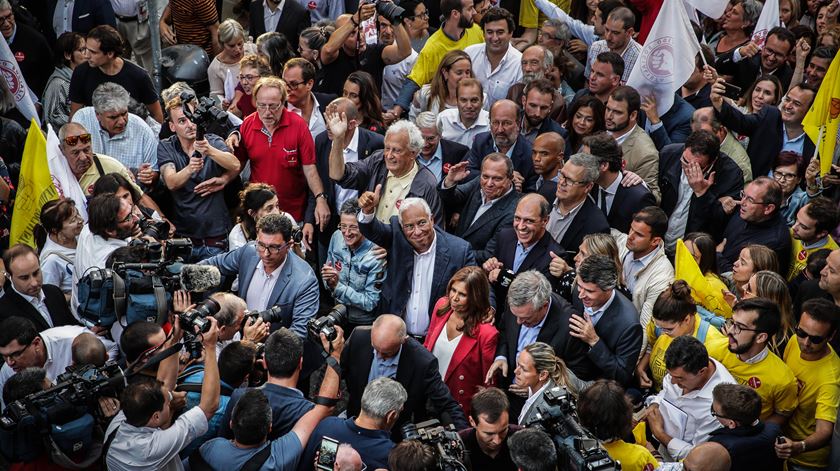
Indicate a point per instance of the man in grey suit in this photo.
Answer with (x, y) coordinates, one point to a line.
(270, 274)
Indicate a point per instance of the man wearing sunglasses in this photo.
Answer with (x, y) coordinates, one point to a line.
(807, 434)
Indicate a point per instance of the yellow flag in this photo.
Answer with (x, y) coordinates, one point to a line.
(822, 120)
(35, 187)
(686, 268)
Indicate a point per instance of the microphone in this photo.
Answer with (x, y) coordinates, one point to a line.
(200, 278)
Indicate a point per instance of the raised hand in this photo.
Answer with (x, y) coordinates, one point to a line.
(370, 200)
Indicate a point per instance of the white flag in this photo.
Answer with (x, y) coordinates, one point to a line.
(16, 84)
(768, 20)
(230, 85)
(667, 58)
(63, 179)
(712, 8)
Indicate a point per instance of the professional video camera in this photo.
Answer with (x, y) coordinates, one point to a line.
(449, 448)
(206, 115)
(392, 12)
(326, 324)
(577, 449)
(158, 230)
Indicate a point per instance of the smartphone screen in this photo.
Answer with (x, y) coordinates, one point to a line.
(327, 451)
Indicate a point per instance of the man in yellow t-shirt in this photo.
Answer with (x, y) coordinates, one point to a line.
(817, 369)
(810, 233)
(456, 33)
(745, 354)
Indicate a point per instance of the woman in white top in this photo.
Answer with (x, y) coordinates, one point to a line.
(440, 93)
(62, 223)
(538, 369)
(232, 38)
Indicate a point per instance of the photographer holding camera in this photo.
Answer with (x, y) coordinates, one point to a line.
(195, 168)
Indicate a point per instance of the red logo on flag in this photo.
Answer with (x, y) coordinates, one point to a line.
(397, 204)
(802, 255)
(13, 79)
(754, 382)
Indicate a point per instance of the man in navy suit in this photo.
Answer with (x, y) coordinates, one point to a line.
(672, 127)
(617, 201)
(271, 275)
(84, 16)
(287, 17)
(421, 259)
(574, 214)
(485, 204)
(438, 155)
(504, 137)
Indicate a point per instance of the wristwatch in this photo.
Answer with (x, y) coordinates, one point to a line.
(321, 195)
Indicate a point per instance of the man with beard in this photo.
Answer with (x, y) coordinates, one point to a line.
(618, 38)
(640, 154)
(537, 103)
(745, 353)
(469, 119)
(536, 62)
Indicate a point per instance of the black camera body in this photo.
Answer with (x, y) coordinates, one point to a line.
(158, 230)
(272, 314)
(449, 448)
(505, 277)
(167, 250)
(390, 11)
(195, 322)
(577, 449)
(205, 115)
(326, 324)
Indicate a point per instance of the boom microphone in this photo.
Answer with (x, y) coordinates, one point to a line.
(200, 278)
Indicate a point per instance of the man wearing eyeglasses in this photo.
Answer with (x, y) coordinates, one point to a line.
(747, 62)
(807, 435)
(30, 48)
(811, 232)
(299, 76)
(745, 353)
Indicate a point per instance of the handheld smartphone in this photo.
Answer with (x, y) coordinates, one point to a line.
(780, 440)
(326, 454)
(732, 91)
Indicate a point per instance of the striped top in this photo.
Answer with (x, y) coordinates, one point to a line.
(190, 18)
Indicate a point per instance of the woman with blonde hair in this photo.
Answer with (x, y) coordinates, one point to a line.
(439, 95)
(251, 68)
(232, 38)
(752, 259)
(539, 369)
(770, 285)
(601, 244)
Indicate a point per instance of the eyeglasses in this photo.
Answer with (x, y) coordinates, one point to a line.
(128, 217)
(10, 17)
(815, 339)
(730, 326)
(666, 330)
(14, 356)
(271, 249)
(248, 78)
(269, 106)
(73, 140)
(716, 415)
(425, 15)
(421, 224)
(780, 176)
(348, 227)
(750, 199)
(564, 180)
(294, 85)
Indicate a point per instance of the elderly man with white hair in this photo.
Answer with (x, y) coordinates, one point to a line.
(116, 132)
(421, 259)
(438, 154)
(392, 175)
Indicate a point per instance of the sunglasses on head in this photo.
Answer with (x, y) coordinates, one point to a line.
(815, 339)
(73, 140)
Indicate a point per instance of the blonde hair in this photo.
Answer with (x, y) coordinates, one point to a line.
(546, 360)
(229, 30)
(271, 82)
(604, 244)
(770, 285)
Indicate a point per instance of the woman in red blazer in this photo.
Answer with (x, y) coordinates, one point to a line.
(463, 345)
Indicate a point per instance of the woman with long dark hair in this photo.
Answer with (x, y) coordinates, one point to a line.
(360, 88)
(585, 118)
(255, 201)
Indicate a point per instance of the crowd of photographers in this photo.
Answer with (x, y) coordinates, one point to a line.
(421, 235)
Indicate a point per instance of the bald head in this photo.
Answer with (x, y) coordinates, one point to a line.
(708, 456)
(504, 108)
(704, 119)
(347, 459)
(547, 154)
(87, 349)
(387, 335)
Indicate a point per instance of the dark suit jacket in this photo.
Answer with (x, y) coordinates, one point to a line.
(615, 354)
(746, 71)
(466, 199)
(676, 123)
(453, 152)
(293, 20)
(589, 220)
(87, 14)
(13, 304)
(451, 254)
(369, 142)
(548, 190)
(521, 156)
(626, 202)
(765, 131)
(417, 372)
(503, 247)
(704, 213)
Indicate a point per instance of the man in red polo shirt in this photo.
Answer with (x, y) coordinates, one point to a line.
(282, 153)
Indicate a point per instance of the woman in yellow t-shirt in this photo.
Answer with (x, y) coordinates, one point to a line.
(674, 314)
(605, 411)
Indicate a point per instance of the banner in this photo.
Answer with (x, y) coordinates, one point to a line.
(712, 8)
(63, 179)
(686, 268)
(768, 20)
(823, 119)
(35, 187)
(16, 84)
(667, 58)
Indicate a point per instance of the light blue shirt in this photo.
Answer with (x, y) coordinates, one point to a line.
(435, 164)
(797, 144)
(528, 335)
(520, 254)
(595, 315)
(382, 367)
(632, 266)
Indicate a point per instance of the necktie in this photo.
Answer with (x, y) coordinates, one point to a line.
(603, 201)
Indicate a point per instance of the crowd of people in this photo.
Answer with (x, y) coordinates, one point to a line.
(500, 214)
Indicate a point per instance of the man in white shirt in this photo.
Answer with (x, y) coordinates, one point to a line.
(496, 62)
(464, 123)
(679, 415)
(299, 75)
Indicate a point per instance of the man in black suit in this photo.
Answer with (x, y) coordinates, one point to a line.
(437, 154)
(710, 175)
(299, 75)
(85, 15)
(287, 17)
(30, 48)
(770, 130)
(385, 350)
(747, 62)
(504, 137)
(421, 259)
(359, 145)
(25, 295)
(547, 157)
(525, 246)
(608, 335)
(616, 200)
(485, 204)
(574, 214)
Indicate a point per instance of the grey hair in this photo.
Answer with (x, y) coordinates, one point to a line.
(529, 287)
(413, 203)
(66, 127)
(548, 59)
(706, 115)
(110, 97)
(563, 33)
(174, 90)
(589, 163)
(229, 305)
(5, 5)
(381, 396)
(350, 207)
(415, 139)
(427, 119)
(599, 269)
(229, 30)
(401, 332)
(752, 9)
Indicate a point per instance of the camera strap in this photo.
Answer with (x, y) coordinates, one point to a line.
(98, 164)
